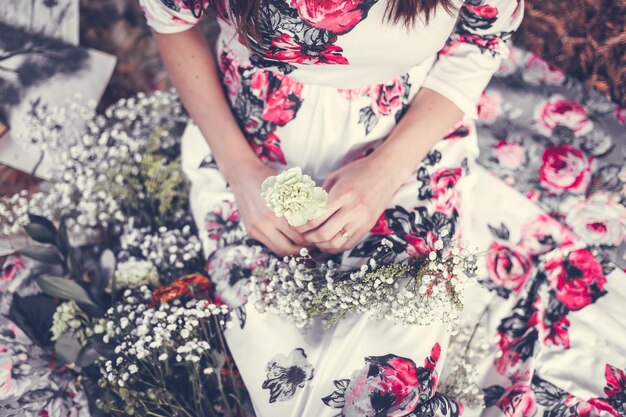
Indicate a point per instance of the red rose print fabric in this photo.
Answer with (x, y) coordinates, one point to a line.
(577, 279)
(391, 385)
(518, 400)
(305, 32)
(565, 168)
(508, 266)
(552, 289)
(289, 49)
(560, 145)
(338, 16)
(558, 111)
(556, 278)
(386, 100)
(12, 266)
(489, 106)
(261, 101)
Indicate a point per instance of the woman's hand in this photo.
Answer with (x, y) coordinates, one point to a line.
(190, 63)
(260, 222)
(358, 193)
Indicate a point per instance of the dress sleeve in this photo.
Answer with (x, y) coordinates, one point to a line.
(474, 51)
(168, 16)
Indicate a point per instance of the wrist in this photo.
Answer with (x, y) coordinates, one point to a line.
(243, 169)
(396, 168)
(239, 171)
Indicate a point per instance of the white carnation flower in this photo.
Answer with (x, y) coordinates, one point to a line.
(134, 273)
(295, 196)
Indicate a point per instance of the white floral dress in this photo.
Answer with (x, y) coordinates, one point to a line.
(326, 84)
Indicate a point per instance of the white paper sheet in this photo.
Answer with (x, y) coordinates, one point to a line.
(90, 83)
(57, 18)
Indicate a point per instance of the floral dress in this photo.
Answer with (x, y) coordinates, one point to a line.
(325, 86)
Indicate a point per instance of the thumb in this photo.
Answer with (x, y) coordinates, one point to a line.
(330, 182)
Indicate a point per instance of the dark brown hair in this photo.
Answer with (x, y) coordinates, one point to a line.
(245, 13)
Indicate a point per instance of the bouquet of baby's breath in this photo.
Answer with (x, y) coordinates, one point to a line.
(388, 285)
(118, 185)
(169, 357)
(106, 169)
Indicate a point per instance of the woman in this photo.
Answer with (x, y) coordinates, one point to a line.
(359, 94)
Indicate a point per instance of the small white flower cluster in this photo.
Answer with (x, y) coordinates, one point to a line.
(135, 273)
(436, 294)
(174, 252)
(65, 318)
(74, 132)
(283, 288)
(69, 318)
(459, 379)
(14, 211)
(407, 291)
(175, 333)
(91, 152)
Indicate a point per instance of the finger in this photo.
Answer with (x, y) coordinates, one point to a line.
(278, 243)
(330, 228)
(341, 244)
(355, 238)
(334, 204)
(334, 245)
(295, 237)
(330, 181)
(331, 209)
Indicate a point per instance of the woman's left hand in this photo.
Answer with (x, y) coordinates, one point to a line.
(358, 193)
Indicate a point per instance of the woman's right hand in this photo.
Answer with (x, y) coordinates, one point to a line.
(260, 222)
(190, 64)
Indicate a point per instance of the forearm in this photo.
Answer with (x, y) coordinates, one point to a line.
(429, 117)
(191, 68)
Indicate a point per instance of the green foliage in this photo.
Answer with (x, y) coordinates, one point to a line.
(156, 189)
(65, 289)
(41, 229)
(44, 254)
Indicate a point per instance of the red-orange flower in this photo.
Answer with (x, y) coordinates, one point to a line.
(192, 285)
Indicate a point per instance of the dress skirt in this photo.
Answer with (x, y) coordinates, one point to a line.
(361, 367)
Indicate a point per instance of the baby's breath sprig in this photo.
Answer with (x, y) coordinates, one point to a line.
(405, 290)
(174, 252)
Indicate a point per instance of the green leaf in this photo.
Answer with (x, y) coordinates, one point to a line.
(63, 242)
(87, 356)
(44, 254)
(66, 289)
(35, 218)
(107, 266)
(105, 350)
(33, 314)
(41, 229)
(73, 266)
(219, 359)
(67, 348)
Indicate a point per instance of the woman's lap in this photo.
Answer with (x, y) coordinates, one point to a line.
(266, 346)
